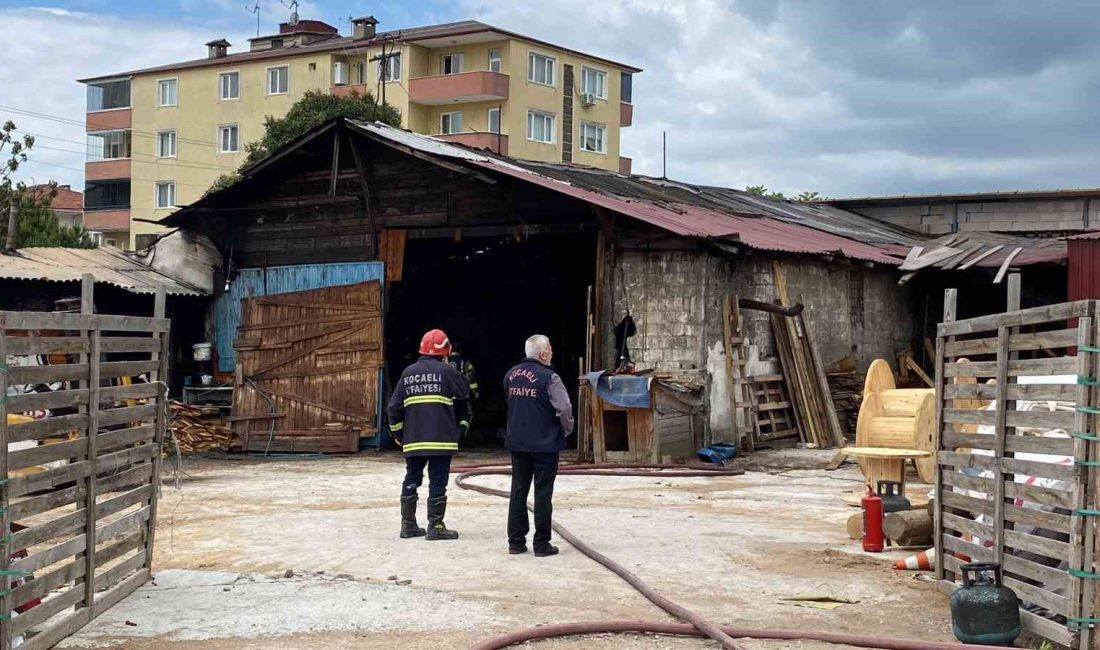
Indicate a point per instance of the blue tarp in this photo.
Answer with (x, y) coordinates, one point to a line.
(621, 390)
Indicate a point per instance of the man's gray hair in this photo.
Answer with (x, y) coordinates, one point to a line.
(536, 344)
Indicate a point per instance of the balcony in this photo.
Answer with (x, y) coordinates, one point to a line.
(349, 89)
(626, 113)
(490, 141)
(107, 220)
(106, 169)
(456, 88)
(625, 165)
(107, 120)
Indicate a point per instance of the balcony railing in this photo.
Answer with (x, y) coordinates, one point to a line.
(626, 113)
(481, 86)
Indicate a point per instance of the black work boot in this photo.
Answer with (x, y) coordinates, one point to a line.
(408, 518)
(546, 551)
(437, 507)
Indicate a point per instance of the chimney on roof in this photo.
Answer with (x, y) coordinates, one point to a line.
(364, 27)
(217, 49)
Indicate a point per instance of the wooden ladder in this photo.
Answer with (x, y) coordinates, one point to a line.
(743, 420)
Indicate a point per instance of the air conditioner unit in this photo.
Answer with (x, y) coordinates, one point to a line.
(340, 73)
(588, 99)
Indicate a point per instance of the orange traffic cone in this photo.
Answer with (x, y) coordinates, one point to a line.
(920, 562)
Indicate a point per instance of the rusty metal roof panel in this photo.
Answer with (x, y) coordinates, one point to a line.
(108, 265)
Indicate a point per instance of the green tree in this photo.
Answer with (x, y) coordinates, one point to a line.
(807, 196)
(313, 109)
(762, 190)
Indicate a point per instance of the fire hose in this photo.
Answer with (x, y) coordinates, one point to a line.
(696, 625)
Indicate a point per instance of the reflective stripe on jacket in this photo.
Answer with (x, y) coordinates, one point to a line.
(427, 405)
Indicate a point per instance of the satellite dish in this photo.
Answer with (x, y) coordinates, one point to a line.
(293, 18)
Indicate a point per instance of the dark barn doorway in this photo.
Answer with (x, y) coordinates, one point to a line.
(489, 294)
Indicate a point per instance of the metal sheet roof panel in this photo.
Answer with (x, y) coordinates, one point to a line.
(108, 265)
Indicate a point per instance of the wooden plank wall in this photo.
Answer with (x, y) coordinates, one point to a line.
(80, 459)
(308, 365)
(1010, 490)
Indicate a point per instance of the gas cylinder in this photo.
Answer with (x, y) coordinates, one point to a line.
(892, 498)
(873, 539)
(983, 611)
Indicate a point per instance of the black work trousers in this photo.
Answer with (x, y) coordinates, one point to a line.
(439, 467)
(543, 468)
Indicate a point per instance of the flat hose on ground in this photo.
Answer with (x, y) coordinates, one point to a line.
(699, 626)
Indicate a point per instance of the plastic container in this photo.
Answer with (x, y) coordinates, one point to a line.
(202, 351)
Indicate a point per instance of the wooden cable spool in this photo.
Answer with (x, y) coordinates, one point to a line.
(897, 418)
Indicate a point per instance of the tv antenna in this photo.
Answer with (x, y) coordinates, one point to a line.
(255, 10)
(293, 7)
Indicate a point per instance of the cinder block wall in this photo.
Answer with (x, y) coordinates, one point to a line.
(1022, 215)
(676, 297)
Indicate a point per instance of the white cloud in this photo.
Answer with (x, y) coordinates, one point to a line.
(54, 48)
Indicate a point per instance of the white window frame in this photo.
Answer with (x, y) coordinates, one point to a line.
(222, 75)
(171, 192)
(360, 76)
(598, 71)
(97, 156)
(489, 120)
(391, 62)
(174, 141)
(175, 94)
(532, 57)
(498, 59)
(267, 79)
(455, 57)
(601, 141)
(222, 128)
(551, 131)
(449, 116)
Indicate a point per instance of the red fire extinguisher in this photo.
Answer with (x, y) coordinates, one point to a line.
(873, 539)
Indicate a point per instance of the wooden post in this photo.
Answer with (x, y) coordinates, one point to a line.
(161, 426)
(1090, 639)
(1000, 431)
(5, 516)
(87, 307)
(1080, 540)
(949, 299)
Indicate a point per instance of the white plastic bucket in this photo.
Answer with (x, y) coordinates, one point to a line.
(201, 351)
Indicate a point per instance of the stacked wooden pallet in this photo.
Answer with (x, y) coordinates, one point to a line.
(773, 411)
(195, 430)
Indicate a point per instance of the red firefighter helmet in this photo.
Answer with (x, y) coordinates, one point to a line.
(435, 343)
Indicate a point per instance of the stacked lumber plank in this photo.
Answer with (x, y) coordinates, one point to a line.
(198, 429)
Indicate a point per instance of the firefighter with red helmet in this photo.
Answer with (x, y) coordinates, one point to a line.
(429, 412)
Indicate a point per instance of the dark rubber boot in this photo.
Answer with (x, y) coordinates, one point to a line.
(546, 551)
(437, 508)
(517, 550)
(408, 518)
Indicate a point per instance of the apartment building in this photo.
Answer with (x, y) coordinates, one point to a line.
(159, 137)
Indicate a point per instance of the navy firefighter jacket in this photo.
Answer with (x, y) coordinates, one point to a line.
(429, 403)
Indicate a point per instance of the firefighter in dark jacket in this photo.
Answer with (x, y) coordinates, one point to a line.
(540, 416)
(429, 413)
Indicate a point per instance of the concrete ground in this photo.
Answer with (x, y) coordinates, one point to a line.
(304, 553)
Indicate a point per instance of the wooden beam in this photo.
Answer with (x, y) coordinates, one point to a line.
(981, 256)
(365, 187)
(416, 153)
(335, 176)
(1004, 265)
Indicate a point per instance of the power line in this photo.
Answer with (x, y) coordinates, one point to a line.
(175, 162)
(132, 153)
(72, 122)
(131, 178)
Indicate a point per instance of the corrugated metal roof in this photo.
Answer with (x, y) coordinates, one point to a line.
(971, 246)
(1086, 235)
(108, 265)
(692, 210)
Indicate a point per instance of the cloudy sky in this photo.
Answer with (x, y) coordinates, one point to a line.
(844, 97)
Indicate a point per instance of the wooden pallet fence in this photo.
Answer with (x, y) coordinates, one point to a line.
(1016, 482)
(80, 462)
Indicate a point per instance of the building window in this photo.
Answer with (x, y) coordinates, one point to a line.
(166, 92)
(389, 68)
(450, 64)
(494, 120)
(360, 73)
(540, 69)
(494, 59)
(166, 195)
(108, 95)
(278, 80)
(107, 195)
(108, 145)
(627, 87)
(593, 137)
(540, 127)
(166, 144)
(594, 82)
(227, 138)
(450, 122)
(230, 85)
